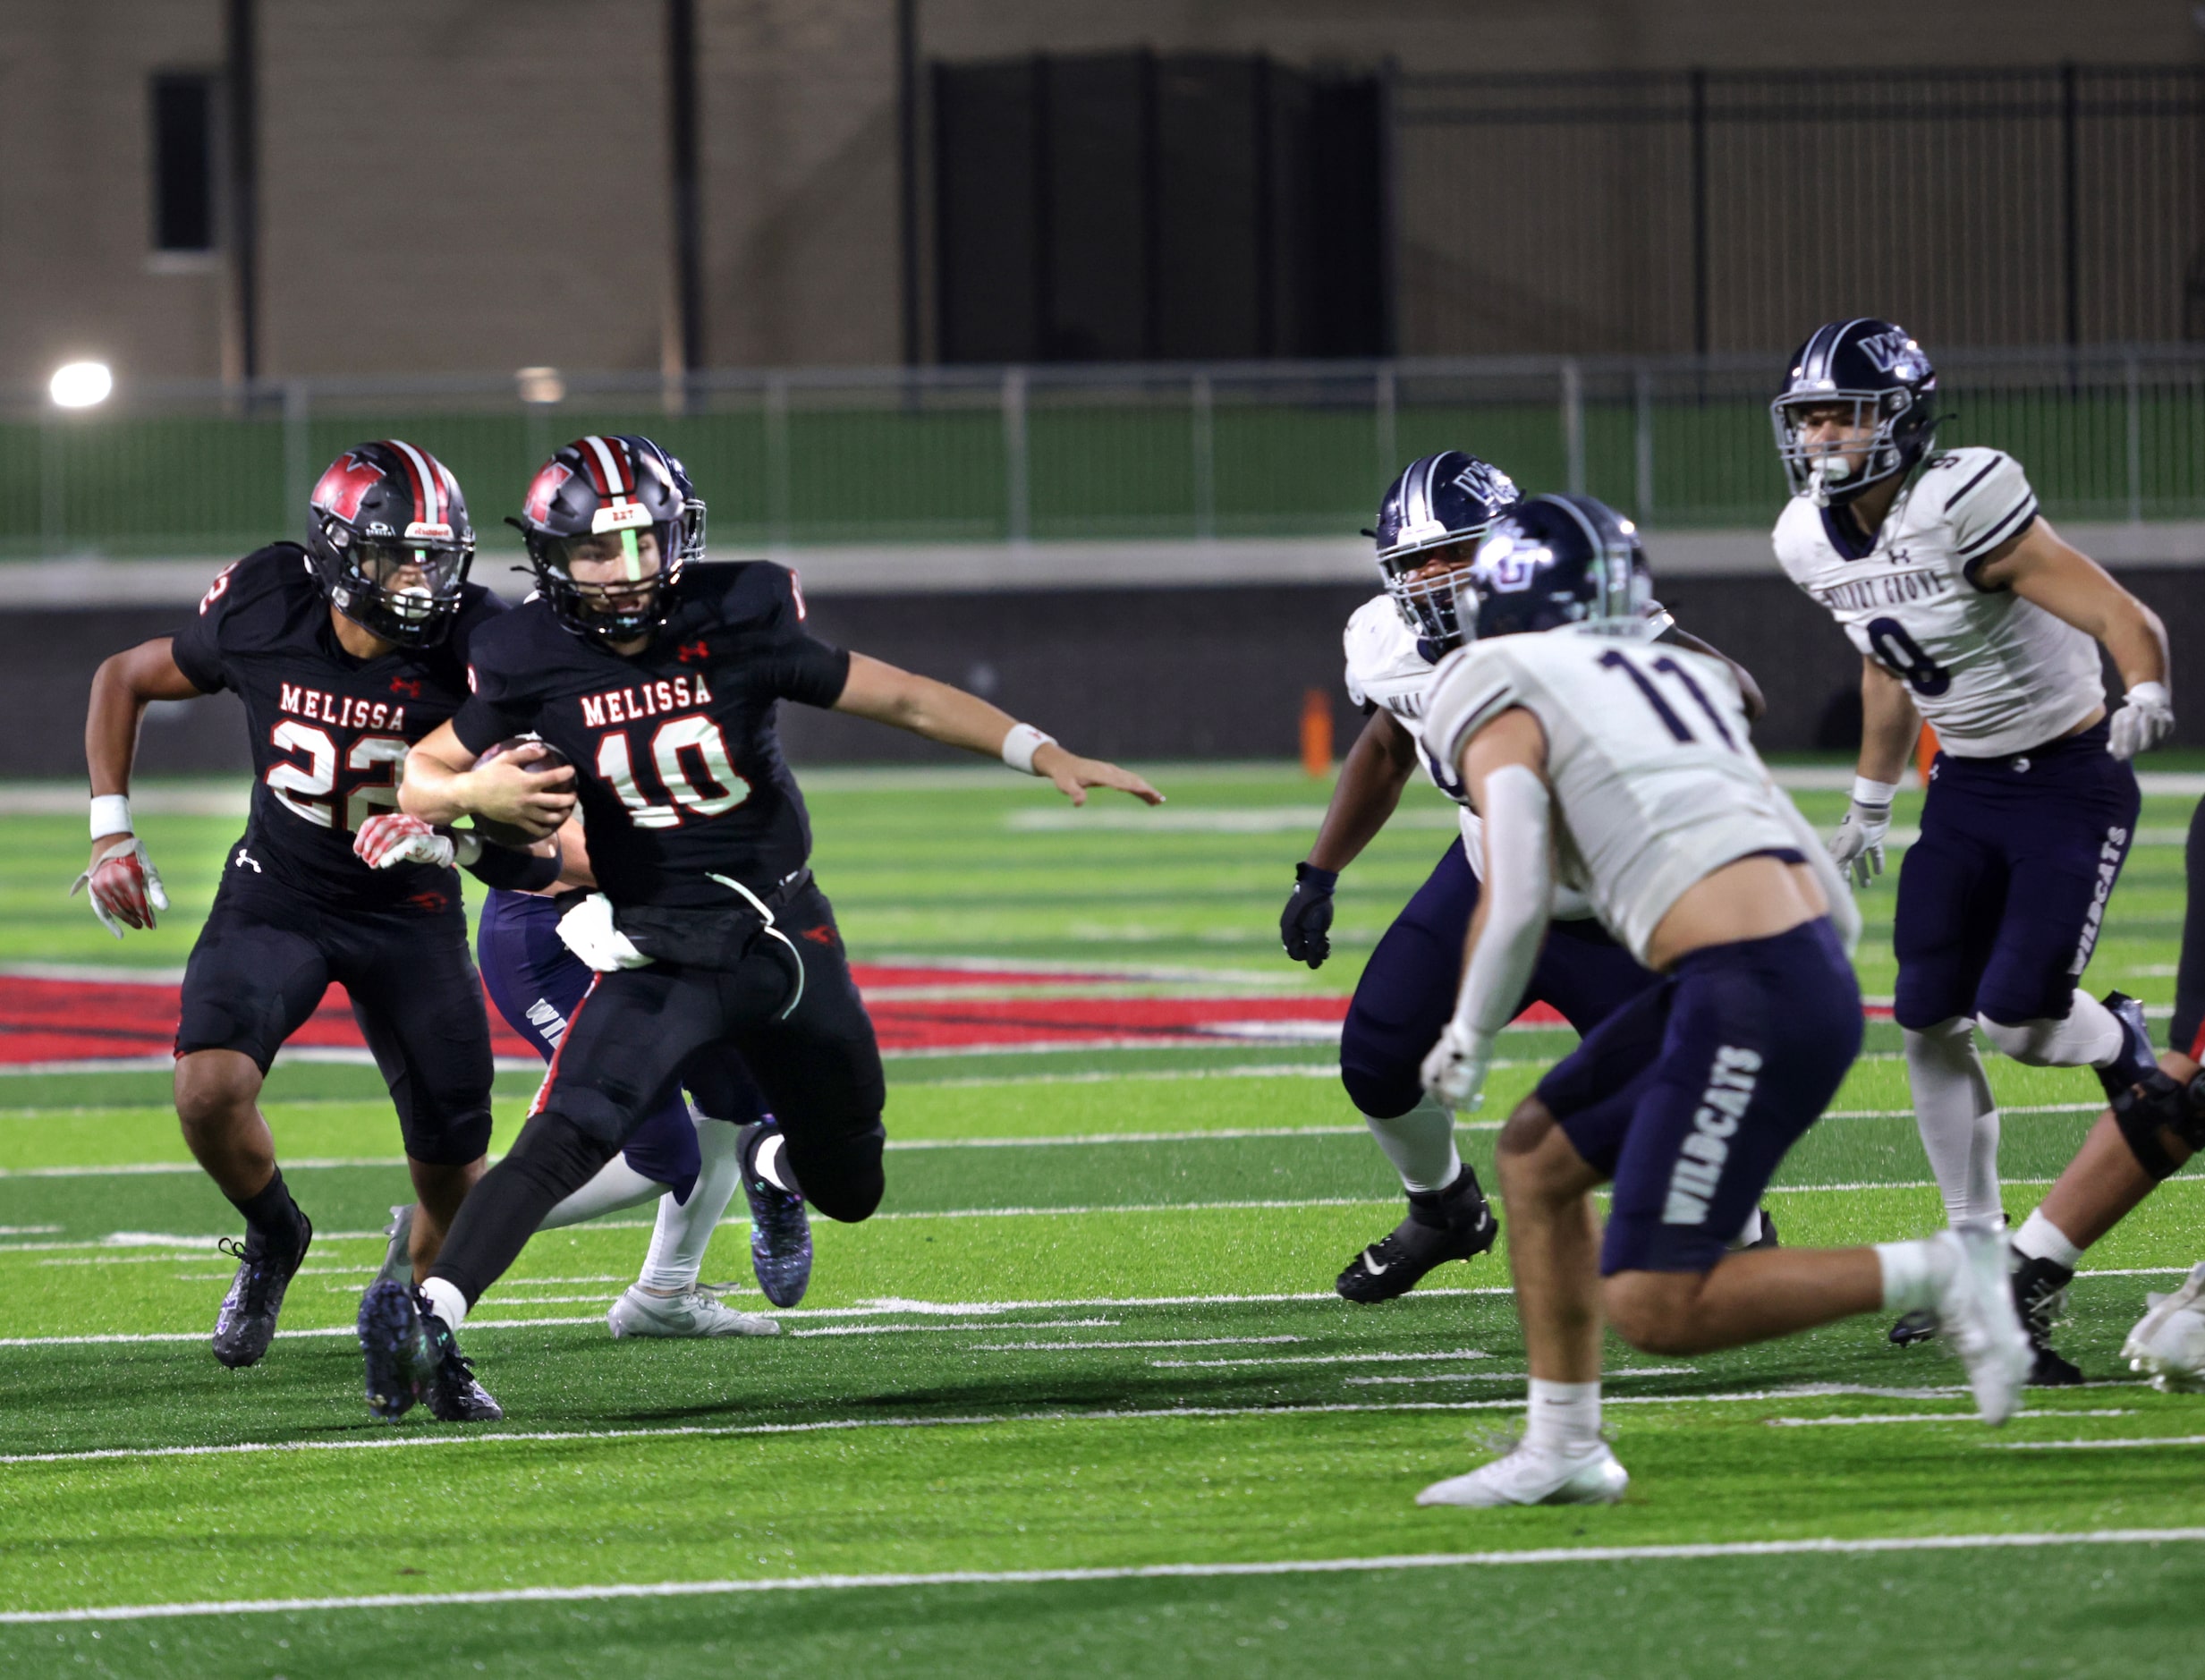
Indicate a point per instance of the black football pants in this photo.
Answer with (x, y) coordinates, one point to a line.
(640, 1034)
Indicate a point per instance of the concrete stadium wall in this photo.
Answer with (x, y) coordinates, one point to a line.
(480, 185)
(1208, 672)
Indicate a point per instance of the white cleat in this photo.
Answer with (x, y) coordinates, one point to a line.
(1977, 1318)
(697, 1312)
(398, 1256)
(2168, 1341)
(1536, 1476)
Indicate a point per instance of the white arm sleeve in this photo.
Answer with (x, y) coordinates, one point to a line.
(1518, 898)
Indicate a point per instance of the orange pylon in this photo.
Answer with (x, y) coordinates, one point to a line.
(1316, 732)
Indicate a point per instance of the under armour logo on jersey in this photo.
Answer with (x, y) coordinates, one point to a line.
(824, 935)
(244, 857)
(689, 650)
(411, 686)
(430, 903)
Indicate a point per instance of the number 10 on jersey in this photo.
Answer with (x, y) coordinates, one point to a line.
(689, 756)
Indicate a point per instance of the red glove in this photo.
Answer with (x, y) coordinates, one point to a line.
(392, 836)
(126, 887)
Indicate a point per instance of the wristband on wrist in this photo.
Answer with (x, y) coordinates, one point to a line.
(1020, 744)
(466, 848)
(2150, 693)
(1868, 792)
(111, 814)
(1309, 874)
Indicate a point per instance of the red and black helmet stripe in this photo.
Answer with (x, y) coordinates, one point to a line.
(427, 481)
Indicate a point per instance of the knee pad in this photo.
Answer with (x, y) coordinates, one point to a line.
(445, 1140)
(555, 1149)
(2023, 1041)
(2161, 1107)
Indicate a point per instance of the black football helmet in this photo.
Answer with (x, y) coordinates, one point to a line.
(1550, 561)
(387, 530)
(621, 489)
(1882, 372)
(1445, 498)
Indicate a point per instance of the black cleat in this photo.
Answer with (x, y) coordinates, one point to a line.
(246, 1324)
(2136, 1062)
(2040, 1297)
(780, 1229)
(394, 1340)
(452, 1394)
(1768, 1238)
(1454, 1224)
(1918, 1326)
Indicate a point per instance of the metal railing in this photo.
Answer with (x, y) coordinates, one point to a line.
(1018, 454)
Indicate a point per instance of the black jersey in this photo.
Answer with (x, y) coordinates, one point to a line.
(329, 732)
(677, 763)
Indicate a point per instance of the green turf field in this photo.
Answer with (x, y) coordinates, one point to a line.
(1081, 1395)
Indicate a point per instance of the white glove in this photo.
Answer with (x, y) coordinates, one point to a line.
(2144, 719)
(126, 887)
(1857, 848)
(1455, 1070)
(391, 836)
(589, 933)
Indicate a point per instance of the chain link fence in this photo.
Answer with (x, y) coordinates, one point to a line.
(1006, 455)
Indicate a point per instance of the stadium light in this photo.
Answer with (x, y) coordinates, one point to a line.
(82, 383)
(540, 385)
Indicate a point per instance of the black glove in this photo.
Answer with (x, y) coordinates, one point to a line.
(1305, 926)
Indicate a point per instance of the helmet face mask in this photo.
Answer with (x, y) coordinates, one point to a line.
(611, 523)
(1432, 516)
(1551, 561)
(1876, 383)
(390, 542)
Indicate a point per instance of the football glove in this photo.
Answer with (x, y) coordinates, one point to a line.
(391, 837)
(1305, 926)
(2144, 719)
(1455, 1072)
(1857, 848)
(126, 887)
(588, 932)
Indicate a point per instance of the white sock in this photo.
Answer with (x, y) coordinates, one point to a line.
(2090, 1035)
(1565, 1417)
(767, 1163)
(616, 1185)
(685, 1228)
(2039, 1239)
(446, 1300)
(1420, 1144)
(1915, 1272)
(1956, 1117)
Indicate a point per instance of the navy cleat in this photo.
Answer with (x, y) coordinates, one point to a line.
(2136, 1062)
(246, 1324)
(2040, 1297)
(1454, 1224)
(780, 1229)
(1913, 1327)
(394, 1340)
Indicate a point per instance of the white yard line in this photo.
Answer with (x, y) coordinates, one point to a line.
(959, 1330)
(1517, 1376)
(1816, 1546)
(1932, 1417)
(2056, 1446)
(1316, 1359)
(1174, 1341)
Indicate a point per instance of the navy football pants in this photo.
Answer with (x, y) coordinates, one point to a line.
(1690, 1094)
(1407, 990)
(1999, 901)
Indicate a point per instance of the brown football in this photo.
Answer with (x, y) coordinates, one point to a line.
(506, 833)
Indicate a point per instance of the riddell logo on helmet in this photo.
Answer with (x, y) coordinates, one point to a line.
(423, 530)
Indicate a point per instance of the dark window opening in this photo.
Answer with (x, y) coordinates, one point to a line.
(184, 162)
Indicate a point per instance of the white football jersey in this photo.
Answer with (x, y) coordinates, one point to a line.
(1656, 783)
(1993, 674)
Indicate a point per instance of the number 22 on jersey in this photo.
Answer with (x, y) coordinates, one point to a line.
(689, 756)
(307, 789)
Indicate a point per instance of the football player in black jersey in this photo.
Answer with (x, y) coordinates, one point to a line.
(659, 677)
(344, 651)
